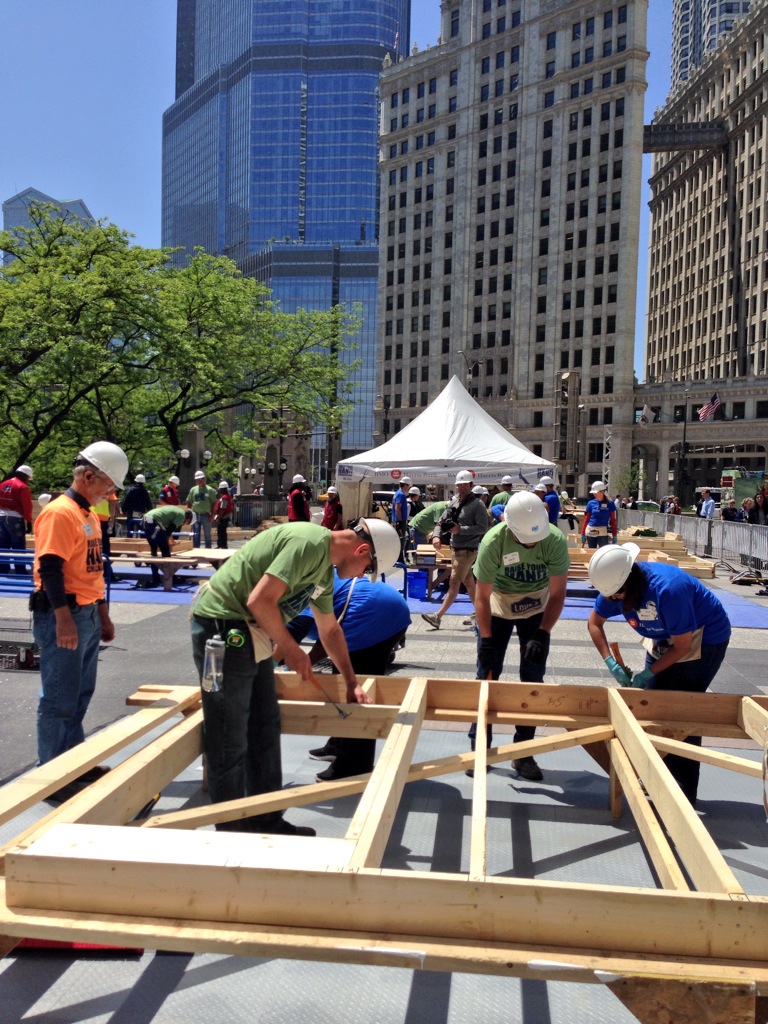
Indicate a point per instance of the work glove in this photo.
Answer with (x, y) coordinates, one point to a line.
(537, 648)
(621, 675)
(646, 680)
(583, 540)
(486, 655)
(614, 539)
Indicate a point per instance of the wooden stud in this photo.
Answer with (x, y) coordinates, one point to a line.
(685, 1002)
(477, 846)
(707, 756)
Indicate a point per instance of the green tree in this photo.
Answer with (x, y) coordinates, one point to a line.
(99, 338)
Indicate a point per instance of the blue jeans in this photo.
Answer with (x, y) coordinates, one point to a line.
(67, 678)
(12, 530)
(202, 520)
(501, 634)
(598, 542)
(241, 725)
(157, 537)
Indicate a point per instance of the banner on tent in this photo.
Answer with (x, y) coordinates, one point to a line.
(433, 474)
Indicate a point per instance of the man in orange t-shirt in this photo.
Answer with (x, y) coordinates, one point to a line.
(70, 614)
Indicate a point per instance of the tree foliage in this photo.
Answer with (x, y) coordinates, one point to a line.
(103, 339)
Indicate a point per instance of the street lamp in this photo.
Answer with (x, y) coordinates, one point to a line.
(470, 367)
(682, 450)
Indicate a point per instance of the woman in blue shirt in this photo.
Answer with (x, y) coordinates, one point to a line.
(685, 628)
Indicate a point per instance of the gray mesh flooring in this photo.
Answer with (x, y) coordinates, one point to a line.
(559, 829)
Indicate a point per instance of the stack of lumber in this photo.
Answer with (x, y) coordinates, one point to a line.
(139, 545)
(669, 548)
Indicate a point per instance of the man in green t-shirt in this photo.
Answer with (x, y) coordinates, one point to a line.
(159, 526)
(201, 500)
(266, 583)
(521, 573)
(423, 523)
(503, 495)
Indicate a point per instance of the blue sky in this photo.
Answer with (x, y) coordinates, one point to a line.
(84, 84)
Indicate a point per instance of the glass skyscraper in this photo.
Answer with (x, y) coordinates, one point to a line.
(270, 152)
(697, 27)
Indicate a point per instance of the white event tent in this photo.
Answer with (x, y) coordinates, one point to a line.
(454, 432)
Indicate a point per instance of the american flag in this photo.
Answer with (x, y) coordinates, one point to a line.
(397, 38)
(708, 410)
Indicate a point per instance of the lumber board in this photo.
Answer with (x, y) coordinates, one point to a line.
(684, 1002)
(705, 755)
(232, 810)
(518, 960)
(120, 794)
(696, 848)
(375, 814)
(29, 789)
(659, 850)
(753, 718)
(478, 824)
(120, 863)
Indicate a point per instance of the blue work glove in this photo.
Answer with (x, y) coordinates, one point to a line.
(621, 675)
(537, 648)
(614, 539)
(486, 655)
(646, 680)
(583, 539)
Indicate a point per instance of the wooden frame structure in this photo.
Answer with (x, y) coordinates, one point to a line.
(693, 949)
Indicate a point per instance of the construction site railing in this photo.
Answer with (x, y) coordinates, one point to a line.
(740, 544)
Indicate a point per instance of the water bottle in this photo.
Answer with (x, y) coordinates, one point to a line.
(213, 666)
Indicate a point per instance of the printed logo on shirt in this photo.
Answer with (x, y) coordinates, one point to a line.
(536, 573)
(633, 622)
(93, 559)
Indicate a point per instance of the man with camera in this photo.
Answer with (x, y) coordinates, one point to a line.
(465, 522)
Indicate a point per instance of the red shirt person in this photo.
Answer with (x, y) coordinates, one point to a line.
(15, 514)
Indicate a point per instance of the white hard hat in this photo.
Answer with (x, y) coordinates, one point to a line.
(107, 458)
(547, 480)
(140, 479)
(540, 488)
(199, 475)
(404, 480)
(564, 495)
(298, 479)
(610, 566)
(478, 489)
(464, 477)
(333, 490)
(386, 543)
(598, 485)
(506, 480)
(25, 469)
(414, 490)
(174, 480)
(43, 499)
(527, 517)
(224, 484)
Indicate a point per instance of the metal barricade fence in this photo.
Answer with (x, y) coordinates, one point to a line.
(742, 545)
(252, 509)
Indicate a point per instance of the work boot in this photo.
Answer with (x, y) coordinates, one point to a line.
(527, 768)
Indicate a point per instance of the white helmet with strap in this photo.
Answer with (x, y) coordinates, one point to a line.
(107, 458)
(386, 543)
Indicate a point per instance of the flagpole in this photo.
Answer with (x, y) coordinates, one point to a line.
(683, 448)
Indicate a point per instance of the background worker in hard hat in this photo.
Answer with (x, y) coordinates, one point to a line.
(15, 515)
(263, 585)
(200, 499)
(400, 513)
(465, 519)
(222, 512)
(70, 614)
(685, 628)
(551, 499)
(135, 504)
(159, 526)
(298, 501)
(421, 524)
(169, 493)
(599, 526)
(106, 512)
(503, 495)
(521, 572)
(333, 513)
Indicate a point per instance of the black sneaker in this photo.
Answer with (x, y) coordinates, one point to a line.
(527, 768)
(285, 828)
(471, 771)
(324, 753)
(331, 774)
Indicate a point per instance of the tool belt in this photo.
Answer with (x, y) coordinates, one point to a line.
(519, 606)
(38, 601)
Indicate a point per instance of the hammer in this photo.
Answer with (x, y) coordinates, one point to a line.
(316, 683)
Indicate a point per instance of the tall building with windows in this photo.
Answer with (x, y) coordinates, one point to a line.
(707, 327)
(270, 152)
(511, 180)
(697, 27)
